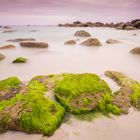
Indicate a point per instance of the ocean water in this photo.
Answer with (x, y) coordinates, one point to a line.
(60, 58)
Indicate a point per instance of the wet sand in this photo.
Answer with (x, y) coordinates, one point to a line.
(124, 127)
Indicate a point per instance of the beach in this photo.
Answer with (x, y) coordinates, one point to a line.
(60, 58)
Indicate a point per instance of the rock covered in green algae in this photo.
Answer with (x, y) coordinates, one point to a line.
(81, 93)
(128, 93)
(20, 60)
(31, 112)
(9, 88)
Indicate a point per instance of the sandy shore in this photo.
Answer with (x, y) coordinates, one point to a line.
(124, 127)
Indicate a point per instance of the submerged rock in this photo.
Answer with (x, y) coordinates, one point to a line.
(21, 39)
(91, 42)
(82, 33)
(20, 60)
(34, 44)
(135, 50)
(70, 42)
(112, 41)
(2, 56)
(129, 92)
(8, 47)
(8, 31)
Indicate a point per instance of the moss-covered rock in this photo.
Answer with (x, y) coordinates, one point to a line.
(9, 88)
(81, 93)
(20, 60)
(129, 91)
(31, 112)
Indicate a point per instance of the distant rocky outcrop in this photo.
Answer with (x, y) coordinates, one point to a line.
(91, 42)
(2, 56)
(21, 39)
(34, 44)
(112, 41)
(70, 42)
(82, 33)
(10, 46)
(135, 50)
(120, 25)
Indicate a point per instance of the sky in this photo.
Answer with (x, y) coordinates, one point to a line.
(51, 12)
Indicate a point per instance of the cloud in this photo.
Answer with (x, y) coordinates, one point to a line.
(72, 9)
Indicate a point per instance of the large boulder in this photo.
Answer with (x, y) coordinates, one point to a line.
(10, 46)
(135, 50)
(2, 56)
(91, 42)
(34, 44)
(29, 111)
(70, 42)
(82, 33)
(81, 93)
(21, 39)
(112, 41)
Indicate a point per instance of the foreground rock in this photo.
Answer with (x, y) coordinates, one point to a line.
(135, 50)
(78, 93)
(92, 42)
(21, 39)
(34, 44)
(20, 60)
(112, 41)
(2, 56)
(82, 33)
(70, 42)
(8, 47)
(129, 93)
(31, 111)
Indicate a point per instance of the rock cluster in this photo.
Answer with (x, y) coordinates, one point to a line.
(134, 24)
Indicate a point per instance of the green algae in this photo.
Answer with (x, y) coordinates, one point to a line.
(12, 82)
(130, 86)
(19, 60)
(82, 91)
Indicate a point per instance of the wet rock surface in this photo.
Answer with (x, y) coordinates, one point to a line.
(135, 51)
(92, 42)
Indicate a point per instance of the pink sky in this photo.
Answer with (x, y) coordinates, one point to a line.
(60, 11)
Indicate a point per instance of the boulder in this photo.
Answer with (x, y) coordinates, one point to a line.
(21, 39)
(129, 28)
(112, 41)
(82, 33)
(119, 28)
(34, 44)
(70, 42)
(8, 47)
(29, 111)
(91, 42)
(135, 50)
(2, 56)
